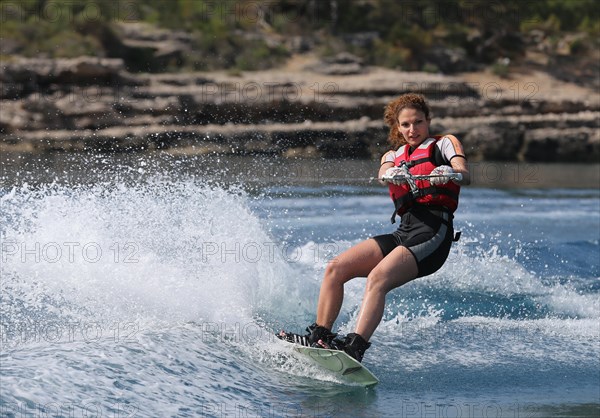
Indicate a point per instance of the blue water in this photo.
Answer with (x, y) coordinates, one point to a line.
(128, 290)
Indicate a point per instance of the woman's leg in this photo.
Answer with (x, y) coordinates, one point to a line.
(357, 261)
(396, 269)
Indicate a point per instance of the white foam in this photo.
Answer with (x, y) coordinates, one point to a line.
(163, 250)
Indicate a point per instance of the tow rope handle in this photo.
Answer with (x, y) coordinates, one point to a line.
(408, 177)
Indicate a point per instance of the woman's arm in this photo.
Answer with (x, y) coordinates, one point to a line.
(459, 165)
(387, 162)
(458, 161)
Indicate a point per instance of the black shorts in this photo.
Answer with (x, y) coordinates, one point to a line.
(427, 234)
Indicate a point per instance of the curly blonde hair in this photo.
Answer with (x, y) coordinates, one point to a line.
(393, 109)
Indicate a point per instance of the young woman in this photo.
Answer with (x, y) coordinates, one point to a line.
(421, 243)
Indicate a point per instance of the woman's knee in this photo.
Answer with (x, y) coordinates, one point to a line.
(377, 281)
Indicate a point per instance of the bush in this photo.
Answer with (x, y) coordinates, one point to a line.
(226, 38)
(501, 67)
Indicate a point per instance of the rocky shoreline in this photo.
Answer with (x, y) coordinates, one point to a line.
(95, 105)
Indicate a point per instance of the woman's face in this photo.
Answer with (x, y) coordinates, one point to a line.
(414, 126)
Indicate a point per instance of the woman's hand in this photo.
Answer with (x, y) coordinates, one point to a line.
(395, 175)
(442, 171)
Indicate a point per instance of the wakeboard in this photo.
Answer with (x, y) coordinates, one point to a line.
(339, 363)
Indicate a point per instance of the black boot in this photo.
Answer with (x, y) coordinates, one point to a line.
(355, 346)
(315, 333)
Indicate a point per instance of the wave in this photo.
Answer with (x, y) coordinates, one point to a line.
(158, 252)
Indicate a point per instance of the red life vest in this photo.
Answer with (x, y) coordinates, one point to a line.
(421, 162)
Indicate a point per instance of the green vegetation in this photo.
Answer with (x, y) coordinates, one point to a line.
(255, 34)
